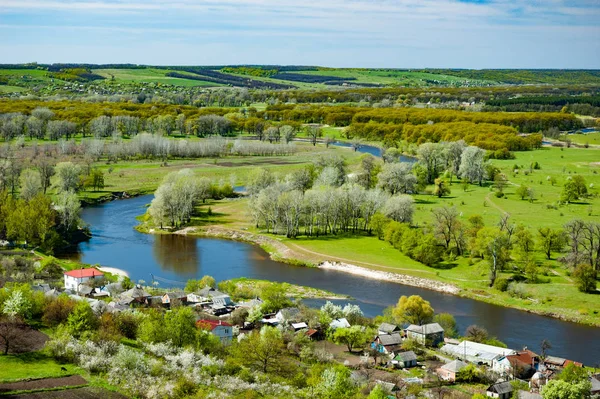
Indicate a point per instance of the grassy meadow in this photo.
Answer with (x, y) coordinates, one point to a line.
(149, 75)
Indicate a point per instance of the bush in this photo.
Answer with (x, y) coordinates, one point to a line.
(58, 310)
(517, 290)
(499, 194)
(501, 284)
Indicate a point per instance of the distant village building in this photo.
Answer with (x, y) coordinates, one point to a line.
(428, 334)
(339, 323)
(449, 371)
(137, 294)
(387, 328)
(501, 390)
(288, 315)
(170, 297)
(387, 343)
(75, 278)
(221, 329)
(522, 364)
(405, 359)
(475, 352)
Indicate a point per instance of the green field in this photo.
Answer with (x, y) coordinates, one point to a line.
(583, 139)
(11, 89)
(388, 77)
(32, 365)
(149, 75)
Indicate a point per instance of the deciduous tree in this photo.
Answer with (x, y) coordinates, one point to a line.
(413, 309)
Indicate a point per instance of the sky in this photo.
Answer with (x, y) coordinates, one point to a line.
(338, 33)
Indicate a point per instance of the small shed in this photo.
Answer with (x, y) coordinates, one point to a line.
(405, 359)
(299, 326)
(501, 390)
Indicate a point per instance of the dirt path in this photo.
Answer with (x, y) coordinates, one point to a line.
(488, 198)
(45, 383)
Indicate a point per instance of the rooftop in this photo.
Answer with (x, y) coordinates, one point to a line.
(475, 349)
(426, 329)
(387, 327)
(501, 387)
(390, 339)
(211, 324)
(454, 366)
(406, 356)
(82, 273)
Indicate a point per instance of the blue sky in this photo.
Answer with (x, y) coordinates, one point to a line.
(339, 33)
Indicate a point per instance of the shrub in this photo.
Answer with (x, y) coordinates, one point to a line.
(501, 284)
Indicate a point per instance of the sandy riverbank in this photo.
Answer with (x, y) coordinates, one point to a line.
(114, 270)
(392, 277)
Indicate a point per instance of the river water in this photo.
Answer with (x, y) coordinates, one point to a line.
(174, 259)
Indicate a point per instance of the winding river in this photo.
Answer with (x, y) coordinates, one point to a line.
(174, 259)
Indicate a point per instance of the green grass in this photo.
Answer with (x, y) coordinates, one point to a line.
(24, 72)
(149, 75)
(11, 89)
(387, 77)
(583, 139)
(33, 365)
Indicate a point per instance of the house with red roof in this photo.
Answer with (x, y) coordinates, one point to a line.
(220, 329)
(74, 278)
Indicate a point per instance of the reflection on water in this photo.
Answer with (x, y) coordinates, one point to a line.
(178, 258)
(176, 253)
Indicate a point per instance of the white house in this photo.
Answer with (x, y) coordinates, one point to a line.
(74, 278)
(218, 328)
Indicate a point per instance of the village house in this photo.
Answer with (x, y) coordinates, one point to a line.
(595, 380)
(558, 363)
(135, 295)
(387, 343)
(288, 315)
(428, 334)
(475, 352)
(449, 371)
(501, 390)
(389, 387)
(218, 298)
(221, 329)
(405, 360)
(175, 296)
(387, 328)
(339, 323)
(521, 365)
(75, 278)
(250, 304)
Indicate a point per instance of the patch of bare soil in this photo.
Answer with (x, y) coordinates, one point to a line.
(27, 340)
(76, 393)
(44, 383)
